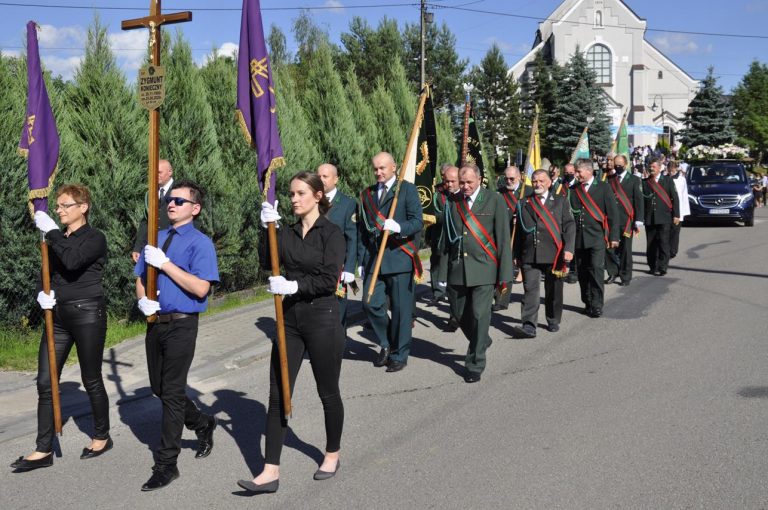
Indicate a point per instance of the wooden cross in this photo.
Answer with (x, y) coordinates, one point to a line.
(153, 22)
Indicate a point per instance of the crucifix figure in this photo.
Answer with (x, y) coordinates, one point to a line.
(153, 22)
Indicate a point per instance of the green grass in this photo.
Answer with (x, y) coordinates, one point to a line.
(19, 347)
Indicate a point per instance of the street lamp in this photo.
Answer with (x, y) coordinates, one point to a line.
(653, 109)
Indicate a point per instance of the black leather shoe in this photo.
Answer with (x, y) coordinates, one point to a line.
(610, 279)
(624, 283)
(205, 438)
(571, 278)
(383, 358)
(527, 331)
(452, 326)
(395, 366)
(21, 464)
(471, 377)
(596, 312)
(263, 488)
(498, 308)
(162, 476)
(662, 273)
(324, 475)
(89, 453)
(553, 328)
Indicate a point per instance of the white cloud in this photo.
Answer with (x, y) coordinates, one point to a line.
(508, 47)
(679, 44)
(10, 53)
(51, 36)
(130, 48)
(62, 66)
(336, 5)
(228, 49)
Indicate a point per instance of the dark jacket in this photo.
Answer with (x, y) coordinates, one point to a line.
(533, 243)
(589, 232)
(632, 186)
(656, 211)
(162, 221)
(343, 214)
(509, 201)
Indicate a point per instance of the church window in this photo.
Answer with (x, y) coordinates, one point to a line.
(599, 60)
(598, 18)
(661, 75)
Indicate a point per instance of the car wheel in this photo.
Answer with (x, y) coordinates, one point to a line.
(749, 222)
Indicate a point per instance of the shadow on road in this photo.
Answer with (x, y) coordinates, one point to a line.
(753, 392)
(719, 271)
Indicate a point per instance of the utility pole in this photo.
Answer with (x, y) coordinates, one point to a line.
(423, 12)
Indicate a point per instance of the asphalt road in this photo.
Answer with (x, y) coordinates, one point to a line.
(662, 403)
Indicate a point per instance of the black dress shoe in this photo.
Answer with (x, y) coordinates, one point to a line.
(21, 464)
(498, 308)
(452, 326)
(89, 453)
(162, 476)
(553, 328)
(596, 312)
(383, 358)
(610, 279)
(471, 377)
(395, 366)
(624, 283)
(662, 273)
(527, 331)
(205, 438)
(257, 488)
(324, 475)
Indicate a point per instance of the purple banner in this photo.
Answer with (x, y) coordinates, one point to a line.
(256, 108)
(39, 138)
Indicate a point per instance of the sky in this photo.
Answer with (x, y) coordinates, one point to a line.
(63, 33)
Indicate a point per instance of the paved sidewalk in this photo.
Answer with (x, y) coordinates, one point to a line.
(226, 341)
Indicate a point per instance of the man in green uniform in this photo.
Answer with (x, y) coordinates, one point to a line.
(512, 191)
(477, 258)
(449, 185)
(395, 283)
(597, 227)
(629, 204)
(662, 210)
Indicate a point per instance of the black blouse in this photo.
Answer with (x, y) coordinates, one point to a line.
(315, 261)
(77, 263)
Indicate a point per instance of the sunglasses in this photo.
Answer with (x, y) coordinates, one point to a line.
(178, 201)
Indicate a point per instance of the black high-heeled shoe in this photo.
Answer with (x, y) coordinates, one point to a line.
(21, 464)
(257, 488)
(89, 453)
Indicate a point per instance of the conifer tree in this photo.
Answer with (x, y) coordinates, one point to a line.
(365, 124)
(750, 102)
(708, 119)
(331, 120)
(403, 96)
(104, 146)
(446, 143)
(370, 52)
(391, 138)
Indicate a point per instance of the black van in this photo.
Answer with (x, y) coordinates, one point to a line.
(720, 190)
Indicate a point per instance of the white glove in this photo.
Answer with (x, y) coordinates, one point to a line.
(279, 285)
(148, 307)
(638, 224)
(347, 277)
(269, 213)
(442, 284)
(44, 222)
(154, 256)
(360, 272)
(392, 226)
(46, 301)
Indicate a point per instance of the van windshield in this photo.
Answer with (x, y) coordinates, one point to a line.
(717, 174)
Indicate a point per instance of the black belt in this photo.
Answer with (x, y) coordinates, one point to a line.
(168, 317)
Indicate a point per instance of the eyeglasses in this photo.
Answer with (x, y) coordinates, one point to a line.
(510, 178)
(66, 206)
(178, 201)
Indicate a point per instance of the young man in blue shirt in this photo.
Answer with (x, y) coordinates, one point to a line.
(187, 267)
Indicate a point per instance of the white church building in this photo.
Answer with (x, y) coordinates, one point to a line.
(635, 76)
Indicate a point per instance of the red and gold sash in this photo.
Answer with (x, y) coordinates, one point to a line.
(377, 218)
(623, 199)
(588, 203)
(481, 235)
(559, 267)
(656, 188)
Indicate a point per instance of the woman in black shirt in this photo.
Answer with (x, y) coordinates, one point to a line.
(77, 259)
(312, 252)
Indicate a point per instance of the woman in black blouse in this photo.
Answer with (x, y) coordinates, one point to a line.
(312, 252)
(77, 258)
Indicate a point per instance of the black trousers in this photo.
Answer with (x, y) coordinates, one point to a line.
(657, 248)
(591, 270)
(82, 323)
(170, 350)
(674, 239)
(553, 294)
(624, 253)
(312, 327)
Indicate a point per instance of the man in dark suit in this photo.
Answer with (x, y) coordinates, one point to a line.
(564, 189)
(399, 264)
(630, 206)
(597, 227)
(165, 185)
(512, 191)
(477, 258)
(544, 242)
(341, 214)
(662, 210)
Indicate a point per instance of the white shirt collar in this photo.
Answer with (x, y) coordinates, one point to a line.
(622, 174)
(473, 196)
(331, 194)
(166, 187)
(589, 182)
(544, 196)
(389, 183)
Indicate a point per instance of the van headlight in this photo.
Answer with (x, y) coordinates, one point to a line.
(693, 199)
(743, 199)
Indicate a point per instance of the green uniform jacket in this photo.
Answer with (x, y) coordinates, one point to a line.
(342, 214)
(533, 243)
(464, 261)
(512, 211)
(590, 233)
(632, 186)
(656, 211)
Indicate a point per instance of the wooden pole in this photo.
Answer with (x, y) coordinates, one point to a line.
(52, 366)
(285, 384)
(385, 236)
